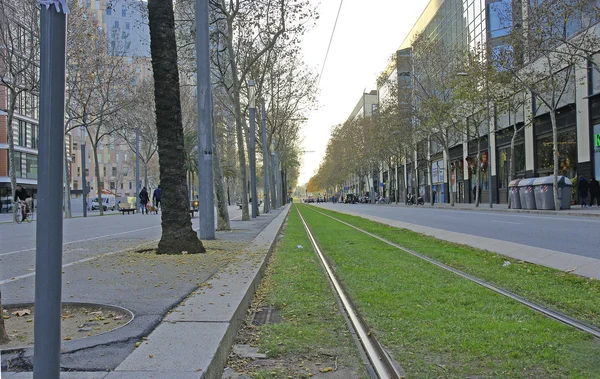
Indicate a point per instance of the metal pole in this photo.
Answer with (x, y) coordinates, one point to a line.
(83, 176)
(49, 240)
(487, 97)
(252, 154)
(265, 157)
(206, 196)
(137, 169)
(278, 181)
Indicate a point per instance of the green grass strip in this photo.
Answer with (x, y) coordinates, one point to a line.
(440, 325)
(312, 323)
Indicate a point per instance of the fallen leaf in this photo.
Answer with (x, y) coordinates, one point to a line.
(23, 312)
(326, 369)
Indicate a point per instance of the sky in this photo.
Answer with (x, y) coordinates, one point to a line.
(366, 36)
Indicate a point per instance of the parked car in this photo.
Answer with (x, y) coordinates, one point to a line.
(351, 199)
(7, 205)
(108, 202)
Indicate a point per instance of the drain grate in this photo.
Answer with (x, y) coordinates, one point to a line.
(266, 316)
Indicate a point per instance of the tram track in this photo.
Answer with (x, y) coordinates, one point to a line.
(379, 362)
(550, 313)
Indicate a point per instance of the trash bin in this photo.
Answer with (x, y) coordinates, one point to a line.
(544, 194)
(542, 189)
(526, 193)
(513, 192)
(565, 186)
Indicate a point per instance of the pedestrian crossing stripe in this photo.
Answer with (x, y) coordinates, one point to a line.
(597, 140)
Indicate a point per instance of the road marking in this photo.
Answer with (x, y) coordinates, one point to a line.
(15, 278)
(508, 222)
(83, 240)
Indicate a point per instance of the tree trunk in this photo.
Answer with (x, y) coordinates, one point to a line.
(97, 174)
(511, 164)
(11, 150)
(430, 180)
(239, 133)
(177, 233)
(274, 181)
(449, 172)
(146, 175)
(67, 186)
(3, 336)
(555, 153)
(222, 212)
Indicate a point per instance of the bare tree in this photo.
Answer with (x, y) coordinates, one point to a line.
(245, 32)
(19, 68)
(545, 48)
(434, 102)
(98, 86)
(140, 119)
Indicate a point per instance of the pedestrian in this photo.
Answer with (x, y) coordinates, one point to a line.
(583, 188)
(144, 199)
(594, 192)
(156, 197)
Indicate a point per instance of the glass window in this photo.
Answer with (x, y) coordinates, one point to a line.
(123, 11)
(31, 166)
(567, 154)
(116, 24)
(127, 25)
(108, 11)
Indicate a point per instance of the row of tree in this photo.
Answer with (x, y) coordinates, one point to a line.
(453, 91)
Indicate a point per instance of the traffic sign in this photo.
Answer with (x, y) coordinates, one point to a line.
(597, 140)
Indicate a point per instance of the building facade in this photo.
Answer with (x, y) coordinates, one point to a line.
(473, 23)
(19, 53)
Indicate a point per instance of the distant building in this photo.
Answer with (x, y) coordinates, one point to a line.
(25, 120)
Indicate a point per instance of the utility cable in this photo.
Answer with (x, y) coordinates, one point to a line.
(329, 46)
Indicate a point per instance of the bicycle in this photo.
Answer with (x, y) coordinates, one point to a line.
(28, 216)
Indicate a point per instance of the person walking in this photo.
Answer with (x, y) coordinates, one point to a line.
(156, 197)
(583, 188)
(144, 199)
(594, 191)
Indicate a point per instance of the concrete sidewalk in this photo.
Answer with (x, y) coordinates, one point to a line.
(575, 210)
(194, 339)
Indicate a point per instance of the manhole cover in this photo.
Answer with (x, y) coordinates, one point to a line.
(266, 316)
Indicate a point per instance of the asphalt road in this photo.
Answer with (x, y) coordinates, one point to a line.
(95, 270)
(568, 234)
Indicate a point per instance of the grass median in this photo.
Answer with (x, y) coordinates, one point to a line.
(313, 335)
(571, 294)
(440, 325)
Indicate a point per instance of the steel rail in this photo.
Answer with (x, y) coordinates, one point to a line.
(537, 307)
(380, 360)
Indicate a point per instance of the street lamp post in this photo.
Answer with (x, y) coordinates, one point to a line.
(206, 193)
(252, 149)
(83, 175)
(49, 232)
(265, 157)
(137, 168)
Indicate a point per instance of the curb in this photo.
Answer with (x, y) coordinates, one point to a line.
(194, 340)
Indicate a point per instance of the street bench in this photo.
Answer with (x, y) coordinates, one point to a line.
(126, 207)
